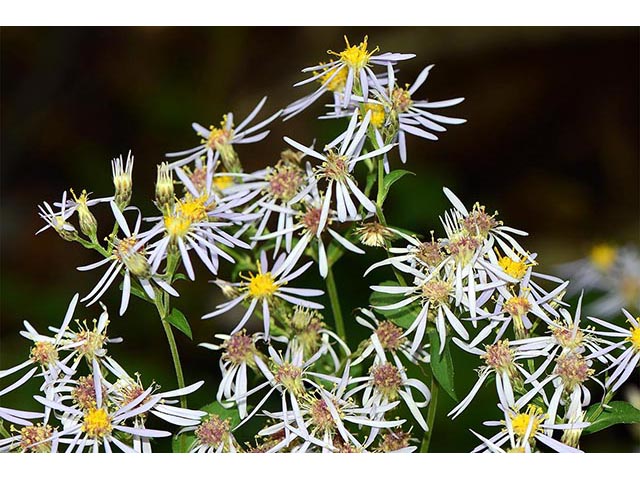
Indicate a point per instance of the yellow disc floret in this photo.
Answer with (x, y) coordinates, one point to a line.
(602, 256)
(514, 268)
(634, 338)
(355, 56)
(97, 423)
(194, 209)
(530, 420)
(187, 212)
(335, 80)
(377, 113)
(262, 285)
(222, 182)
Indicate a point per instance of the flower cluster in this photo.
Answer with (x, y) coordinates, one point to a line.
(88, 402)
(291, 370)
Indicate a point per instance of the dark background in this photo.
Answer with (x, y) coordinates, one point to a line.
(551, 142)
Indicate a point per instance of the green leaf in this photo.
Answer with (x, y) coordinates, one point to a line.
(615, 413)
(180, 276)
(178, 320)
(392, 178)
(182, 443)
(218, 409)
(441, 365)
(403, 317)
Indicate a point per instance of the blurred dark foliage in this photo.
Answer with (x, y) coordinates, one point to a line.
(551, 142)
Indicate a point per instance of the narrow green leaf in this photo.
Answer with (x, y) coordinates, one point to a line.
(442, 365)
(180, 276)
(182, 443)
(403, 317)
(178, 320)
(391, 178)
(618, 412)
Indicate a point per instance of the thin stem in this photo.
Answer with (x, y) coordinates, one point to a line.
(600, 408)
(172, 347)
(431, 415)
(335, 304)
(379, 198)
(176, 360)
(3, 431)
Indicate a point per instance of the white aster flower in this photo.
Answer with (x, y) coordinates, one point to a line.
(501, 362)
(290, 376)
(238, 352)
(324, 416)
(434, 295)
(30, 439)
(523, 430)
(48, 354)
(96, 428)
(196, 223)
(310, 224)
(589, 273)
(213, 435)
(394, 110)
(622, 286)
(58, 219)
(387, 339)
(218, 142)
(129, 254)
(266, 287)
(349, 74)
(126, 389)
(385, 383)
(337, 167)
(626, 339)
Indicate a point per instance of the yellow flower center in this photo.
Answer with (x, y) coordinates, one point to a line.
(338, 80)
(193, 209)
(355, 56)
(602, 256)
(513, 268)
(521, 421)
(177, 226)
(377, 113)
(97, 423)
(262, 285)
(635, 337)
(187, 212)
(223, 181)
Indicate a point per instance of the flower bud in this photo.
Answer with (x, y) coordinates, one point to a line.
(122, 180)
(164, 188)
(88, 223)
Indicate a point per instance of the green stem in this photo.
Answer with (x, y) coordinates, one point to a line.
(379, 198)
(3, 431)
(176, 360)
(162, 310)
(600, 408)
(335, 304)
(431, 415)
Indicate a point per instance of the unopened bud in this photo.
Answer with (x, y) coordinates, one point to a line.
(164, 188)
(122, 180)
(88, 223)
(374, 234)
